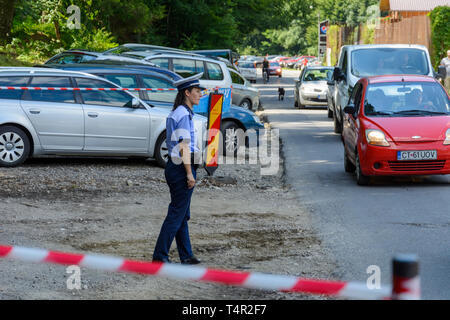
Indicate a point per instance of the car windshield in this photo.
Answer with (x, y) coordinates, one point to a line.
(406, 99)
(274, 64)
(379, 61)
(318, 75)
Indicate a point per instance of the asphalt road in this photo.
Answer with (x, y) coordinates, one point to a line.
(361, 226)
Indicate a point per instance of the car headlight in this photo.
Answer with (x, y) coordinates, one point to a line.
(447, 137)
(376, 138)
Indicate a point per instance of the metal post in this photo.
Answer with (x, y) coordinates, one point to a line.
(405, 277)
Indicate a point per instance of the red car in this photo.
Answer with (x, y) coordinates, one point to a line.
(397, 125)
(275, 69)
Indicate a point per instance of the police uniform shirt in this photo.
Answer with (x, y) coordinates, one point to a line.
(180, 127)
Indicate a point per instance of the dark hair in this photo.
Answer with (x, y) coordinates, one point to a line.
(181, 97)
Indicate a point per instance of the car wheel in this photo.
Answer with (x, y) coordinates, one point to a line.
(231, 139)
(295, 104)
(14, 146)
(300, 105)
(279, 76)
(361, 179)
(246, 104)
(161, 151)
(348, 165)
(330, 113)
(337, 124)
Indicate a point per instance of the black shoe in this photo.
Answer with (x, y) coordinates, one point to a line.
(191, 260)
(163, 260)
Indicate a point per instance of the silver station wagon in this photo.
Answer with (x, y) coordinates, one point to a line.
(76, 122)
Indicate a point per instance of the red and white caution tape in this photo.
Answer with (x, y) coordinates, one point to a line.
(86, 89)
(185, 272)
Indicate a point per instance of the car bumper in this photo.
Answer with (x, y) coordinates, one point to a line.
(314, 99)
(383, 160)
(275, 72)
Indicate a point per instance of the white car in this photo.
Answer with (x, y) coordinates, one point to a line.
(76, 122)
(248, 70)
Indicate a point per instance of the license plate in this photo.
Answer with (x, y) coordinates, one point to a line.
(321, 97)
(417, 155)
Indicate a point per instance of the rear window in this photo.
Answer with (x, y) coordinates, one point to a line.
(379, 61)
(214, 71)
(72, 58)
(12, 82)
(248, 65)
(50, 95)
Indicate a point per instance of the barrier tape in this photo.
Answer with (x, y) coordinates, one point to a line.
(204, 92)
(249, 280)
(87, 89)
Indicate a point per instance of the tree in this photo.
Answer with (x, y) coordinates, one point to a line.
(6, 19)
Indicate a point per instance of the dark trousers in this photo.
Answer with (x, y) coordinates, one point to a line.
(175, 225)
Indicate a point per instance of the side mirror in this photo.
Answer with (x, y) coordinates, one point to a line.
(133, 103)
(330, 83)
(338, 75)
(350, 109)
(442, 72)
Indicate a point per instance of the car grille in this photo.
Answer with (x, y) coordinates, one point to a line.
(426, 165)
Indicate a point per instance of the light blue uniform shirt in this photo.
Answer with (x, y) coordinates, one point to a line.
(180, 127)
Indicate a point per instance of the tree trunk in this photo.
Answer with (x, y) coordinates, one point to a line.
(6, 19)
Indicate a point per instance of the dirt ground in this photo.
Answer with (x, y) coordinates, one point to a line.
(117, 206)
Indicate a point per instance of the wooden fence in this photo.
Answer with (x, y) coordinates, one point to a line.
(411, 30)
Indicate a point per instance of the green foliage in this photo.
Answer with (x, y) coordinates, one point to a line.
(39, 29)
(440, 33)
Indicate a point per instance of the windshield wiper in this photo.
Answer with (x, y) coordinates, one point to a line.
(419, 112)
(379, 113)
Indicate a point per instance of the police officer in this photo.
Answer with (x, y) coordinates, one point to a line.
(180, 172)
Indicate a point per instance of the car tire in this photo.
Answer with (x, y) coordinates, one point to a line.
(361, 179)
(337, 124)
(348, 165)
(161, 151)
(296, 104)
(231, 140)
(14, 146)
(279, 76)
(330, 113)
(246, 104)
(300, 105)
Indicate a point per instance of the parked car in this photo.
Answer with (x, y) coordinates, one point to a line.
(244, 94)
(149, 77)
(248, 70)
(215, 72)
(331, 96)
(228, 54)
(82, 56)
(76, 122)
(357, 61)
(311, 87)
(129, 47)
(397, 125)
(275, 69)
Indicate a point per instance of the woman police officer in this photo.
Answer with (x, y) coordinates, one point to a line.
(180, 172)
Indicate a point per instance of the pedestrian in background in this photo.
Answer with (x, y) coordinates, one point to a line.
(446, 63)
(180, 172)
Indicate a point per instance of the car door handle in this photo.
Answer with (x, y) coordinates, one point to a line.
(35, 111)
(93, 114)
